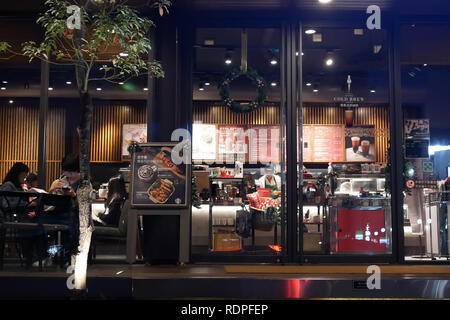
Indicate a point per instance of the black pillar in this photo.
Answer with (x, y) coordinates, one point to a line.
(43, 109)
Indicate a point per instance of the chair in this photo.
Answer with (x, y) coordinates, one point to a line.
(118, 233)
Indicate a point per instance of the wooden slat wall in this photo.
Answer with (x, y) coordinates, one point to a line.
(217, 114)
(106, 135)
(19, 131)
(209, 112)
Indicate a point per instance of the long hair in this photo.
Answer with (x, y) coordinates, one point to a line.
(116, 189)
(13, 173)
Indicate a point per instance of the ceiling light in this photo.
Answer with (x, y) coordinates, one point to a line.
(11, 101)
(310, 31)
(296, 54)
(99, 89)
(3, 88)
(200, 87)
(50, 89)
(123, 54)
(207, 83)
(372, 91)
(69, 82)
(316, 90)
(425, 65)
(145, 89)
(329, 62)
(308, 84)
(273, 61)
(5, 82)
(228, 61)
(273, 84)
(121, 83)
(325, 1)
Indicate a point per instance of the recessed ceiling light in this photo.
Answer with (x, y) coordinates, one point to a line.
(69, 82)
(11, 101)
(5, 82)
(3, 88)
(123, 54)
(308, 84)
(329, 62)
(325, 1)
(207, 83)
(316, 90)
(99, 89)
(201, 89)
(145, 89)
(50, 89)
(228, 61)
(310, 31)
(303, 53)
(273, 62)
(425, 65)
(296, 53)
(372, 91)
(121, 83)
(273, 84)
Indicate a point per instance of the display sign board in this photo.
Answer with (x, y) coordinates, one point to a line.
(232, 143)
(417, 148)
(323, 143)
(360, 144)
(156, 180)
(132, 132)
(417, 128)
(204, 141)
(264, 144)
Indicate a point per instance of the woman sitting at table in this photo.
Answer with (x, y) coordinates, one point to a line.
(114, 201)
(15, 182)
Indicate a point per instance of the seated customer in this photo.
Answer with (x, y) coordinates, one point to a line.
(15, 181)
(67, 184)
(114, 202)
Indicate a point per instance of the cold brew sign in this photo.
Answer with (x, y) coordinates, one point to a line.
(157, 181)
(360, 144)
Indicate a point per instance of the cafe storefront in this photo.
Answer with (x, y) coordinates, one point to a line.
(314, 138)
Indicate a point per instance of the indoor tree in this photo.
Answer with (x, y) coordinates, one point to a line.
(105, 26)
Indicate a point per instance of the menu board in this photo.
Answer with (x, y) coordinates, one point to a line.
(232, 142)
(360, 144)
(204, 138)
(156, 180)
(264, 144)
(323, 143)
(132, 132)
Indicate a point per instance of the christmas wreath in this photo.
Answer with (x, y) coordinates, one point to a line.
(224, 90)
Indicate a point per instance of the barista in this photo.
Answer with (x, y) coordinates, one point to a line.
(271, 181)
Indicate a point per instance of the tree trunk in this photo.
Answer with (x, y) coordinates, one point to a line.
(84, 192)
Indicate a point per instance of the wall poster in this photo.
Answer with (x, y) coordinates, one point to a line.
(132, 132)
(156, 180)
(360, 144)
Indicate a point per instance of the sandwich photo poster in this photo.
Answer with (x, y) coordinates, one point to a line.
(156, 180)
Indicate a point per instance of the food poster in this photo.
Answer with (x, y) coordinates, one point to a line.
(264, 144)
(360, 144)
(132, 132)
(204, 142)
(157, 180)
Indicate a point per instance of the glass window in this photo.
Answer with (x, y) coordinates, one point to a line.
(236, 145)
(425, 62)
(344, 129)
